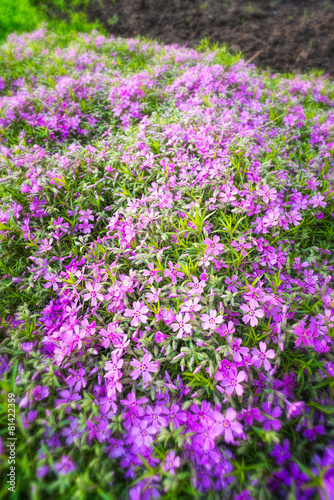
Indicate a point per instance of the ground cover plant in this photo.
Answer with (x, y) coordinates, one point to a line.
(167, 301)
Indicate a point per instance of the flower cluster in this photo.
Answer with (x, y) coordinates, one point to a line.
(167, 296)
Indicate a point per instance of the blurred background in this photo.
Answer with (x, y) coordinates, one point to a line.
(289, 36)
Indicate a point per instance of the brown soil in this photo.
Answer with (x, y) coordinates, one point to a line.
(288, 36)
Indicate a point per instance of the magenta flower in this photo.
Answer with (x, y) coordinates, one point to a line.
(138, 313)
(93, 293)
(40, 392)
(159, 337)
(27, 346)
(251, 312)
(226, 330)
(144, 368)
(250, 414)
(153, 274)
(262, 356)
(211, 321)
(231, 283)
(182, 325)
(51, 281)
(304, 335)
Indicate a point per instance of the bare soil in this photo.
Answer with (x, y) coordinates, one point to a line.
(287, 36)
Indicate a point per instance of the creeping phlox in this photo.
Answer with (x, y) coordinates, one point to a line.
(167, 309)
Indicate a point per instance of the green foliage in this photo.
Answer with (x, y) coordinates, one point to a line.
(17, 16)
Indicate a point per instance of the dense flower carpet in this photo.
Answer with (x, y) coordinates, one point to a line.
(166, 293)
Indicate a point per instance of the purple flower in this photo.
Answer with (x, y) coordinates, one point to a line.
(262, 356)
(281, 453)
(42, 471)
(40, 392)
(27, 346)
(172, 462)
(250, 414)
(65, 466)
(295, 409)
(77, 380)
(71, 432)
(328, 485)
(143, 433)
(271, 417)
(175, 416)
(226, 424)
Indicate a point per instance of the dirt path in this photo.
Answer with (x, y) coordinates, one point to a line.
(287, 36)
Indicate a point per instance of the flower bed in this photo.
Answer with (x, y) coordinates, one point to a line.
(167, 243)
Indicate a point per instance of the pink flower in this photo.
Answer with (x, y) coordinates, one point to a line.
(93, 293)
(262, 356)
(214, 247)
(65, 466)
(153, 295)
(295, 409)
(211, 321)
(190, 306)
(304, 335)
(173, 272)
(233, 382)
(182, 325)
(172, 462)
(227, 424)
(237, 350)
(143, 368)
(112, 367)
(138, 313)
(251, 312)
(143, 433)
(109, 336)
